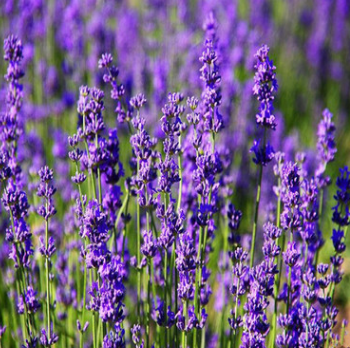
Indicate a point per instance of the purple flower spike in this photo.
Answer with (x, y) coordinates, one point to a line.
(265, 85)
(291, 255)
(325, 144)
(13, 49)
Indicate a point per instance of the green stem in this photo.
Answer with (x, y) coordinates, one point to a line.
(342, 333)
(289, 300)
(85, 270)
(320, 208)
(203, 338)
(148, 308)
(233, 337)
(47, 280)
(91, 173)
(98, 173)
(165, 293)
(257, 203)
(180, 175)
(94, 333)
(332, 287)
(307, 324)
(24, 327)
(21, 277)
(138, 231)
(84, 305)
(173, 275)
(198, 283)
(223, 314)
(184, 332)
(256, 216)
(123, 208)
(278, 275)
(148, 311)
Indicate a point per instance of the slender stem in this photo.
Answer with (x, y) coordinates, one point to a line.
(174, 247)
(203, 338)
(342, 333)
(165, 293)
(148, 311)
(176, 297)
(233, 337)
(184, 332)
(24, 327)
(94, 333)
(98, 173)
(256, 216)
(174, 280)
(138, 231)
(320, 208)
(85, 270)
(123, 208)
(278, 275)
(223, 314)
(307, 324)
(198, 276)
(332, 287)
(180, 175)
(148, 307)
(289, 300)
(91, 173)
(20, 278)
(84, 305)
(195, 345)
(257, 203)
(47, 265)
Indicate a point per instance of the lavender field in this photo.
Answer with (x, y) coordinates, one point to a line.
(174, 173)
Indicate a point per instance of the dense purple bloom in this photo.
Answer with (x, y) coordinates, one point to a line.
(263, 155)
(105, 61)
(45, 341)
(265, 85)
(11, 124)
(149, 247)
(291, 255)
(290, 196)
(50, 250)
(13, 49)
(46, 190)
(341, 212)
(136, 333)
(234, 219)
(138, 101)
(326, 144)
(115, 339)
(31, 302)
(95, 223)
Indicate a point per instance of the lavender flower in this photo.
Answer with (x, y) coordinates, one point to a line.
(47, 210)
(325, 145)
(265, 85)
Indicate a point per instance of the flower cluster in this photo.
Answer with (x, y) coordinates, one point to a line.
(145, 232)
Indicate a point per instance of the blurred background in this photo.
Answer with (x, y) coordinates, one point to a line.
(156, 45)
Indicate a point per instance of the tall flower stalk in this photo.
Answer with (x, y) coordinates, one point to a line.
(265, 85)
(47, 248)
(14, 199)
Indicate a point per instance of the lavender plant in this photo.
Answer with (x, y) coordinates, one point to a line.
(157, 230)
